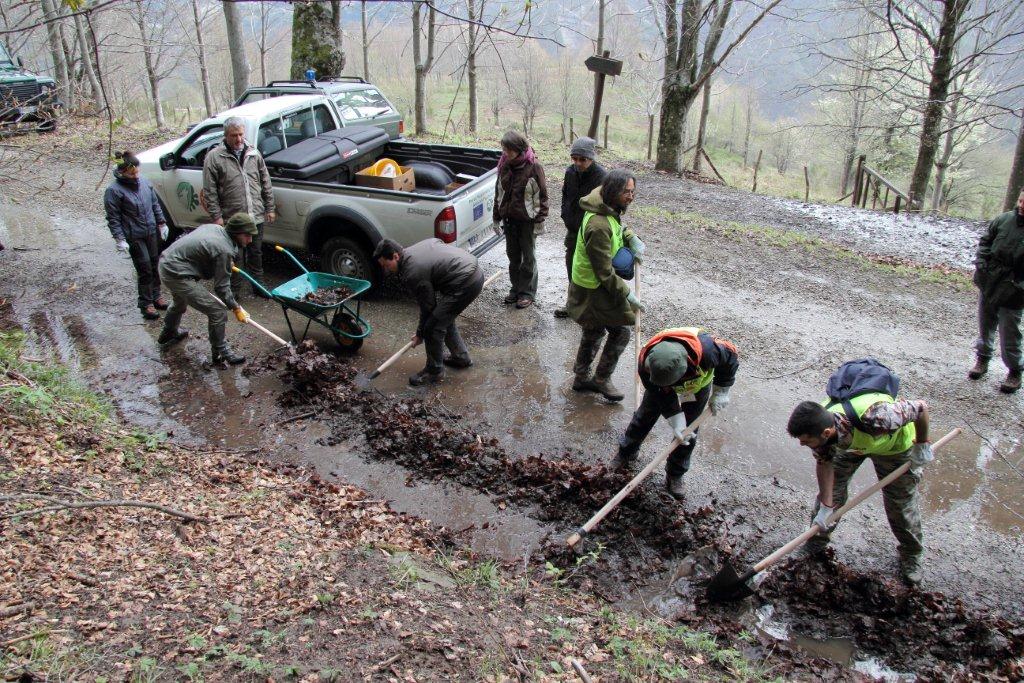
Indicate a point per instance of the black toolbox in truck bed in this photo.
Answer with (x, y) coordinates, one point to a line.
(332, 156)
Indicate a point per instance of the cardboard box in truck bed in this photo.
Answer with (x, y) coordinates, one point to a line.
(403, 182)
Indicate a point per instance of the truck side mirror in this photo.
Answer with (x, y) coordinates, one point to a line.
(167, 162)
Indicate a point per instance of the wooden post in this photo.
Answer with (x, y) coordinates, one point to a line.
(867, 189)
(606, 131)
(595, 117)
(572, 133)
(874, 196)
(885, 200)
(807, 187)
(757, 165)
(650, 134)
(858, 179)
(704, 153)
(897, 208)
(562, 139)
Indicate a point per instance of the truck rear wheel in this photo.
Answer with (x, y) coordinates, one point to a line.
(344, 256)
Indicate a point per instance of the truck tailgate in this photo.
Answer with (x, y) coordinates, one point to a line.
(473, 205)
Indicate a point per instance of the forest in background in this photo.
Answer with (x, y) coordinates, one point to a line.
(928, 91)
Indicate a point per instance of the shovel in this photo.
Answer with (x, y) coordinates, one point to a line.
(728, 585)
(255, 324)
(633, 483)
(636, 337)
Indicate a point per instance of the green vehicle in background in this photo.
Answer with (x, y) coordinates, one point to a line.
(27, 102)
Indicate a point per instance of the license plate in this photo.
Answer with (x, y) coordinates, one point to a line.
(474, 239)
(478, 211)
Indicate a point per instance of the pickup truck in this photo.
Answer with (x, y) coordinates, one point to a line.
(338, 223)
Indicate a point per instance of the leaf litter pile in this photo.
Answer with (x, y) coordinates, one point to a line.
(328, 296)
(908, 627)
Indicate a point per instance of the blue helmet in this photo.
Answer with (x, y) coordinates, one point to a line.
(622, 262)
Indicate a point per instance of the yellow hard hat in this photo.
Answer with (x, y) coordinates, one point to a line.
(386, 168)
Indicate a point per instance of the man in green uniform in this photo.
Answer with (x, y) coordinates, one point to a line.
(205, 253)
(891, 432)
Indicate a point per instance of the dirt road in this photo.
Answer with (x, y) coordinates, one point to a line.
(763, 272)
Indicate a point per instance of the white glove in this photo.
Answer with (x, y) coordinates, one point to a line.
(824, 511)
(164, 231)
(921, 455)
(719, 399)
(122, 246)
(638, 248)
(678, 424)
(634, 303)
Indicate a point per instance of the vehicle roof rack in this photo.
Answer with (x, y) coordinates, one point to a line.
(313, 84)
(310, 84)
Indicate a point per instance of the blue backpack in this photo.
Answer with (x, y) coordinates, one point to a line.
(856, 377)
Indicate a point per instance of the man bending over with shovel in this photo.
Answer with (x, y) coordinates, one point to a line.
(683, 370)
(445, 280)
(891, 432)
(205, 253)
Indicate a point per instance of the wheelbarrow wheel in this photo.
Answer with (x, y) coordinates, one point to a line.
(346, 322)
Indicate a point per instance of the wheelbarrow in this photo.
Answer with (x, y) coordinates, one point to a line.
(347, 326)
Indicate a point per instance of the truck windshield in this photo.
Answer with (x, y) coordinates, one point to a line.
(362, 104)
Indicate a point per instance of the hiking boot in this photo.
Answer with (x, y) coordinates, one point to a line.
(910, 570)
(149, 313)
(584, 384)
(425, 377)
(1011, 384)
(524, 302)
(561, 312)
(227, 356)
(510, 299)
(675, 486)
(171, 337)
(605, 387)
(161, 304)
(456, 362)
(979, 369)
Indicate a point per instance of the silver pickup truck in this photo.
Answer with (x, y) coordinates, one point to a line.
(338, 223)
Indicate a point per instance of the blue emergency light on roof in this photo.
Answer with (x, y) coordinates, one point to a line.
(310, 75)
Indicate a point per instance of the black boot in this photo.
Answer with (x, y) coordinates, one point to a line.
(425, 377)
(979, 369)
(227, 356)
(171, 337)
(1011, 384)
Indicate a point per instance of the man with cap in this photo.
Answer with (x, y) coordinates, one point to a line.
(683, 370)
(444, 279)
(581, 177)
(205, 253)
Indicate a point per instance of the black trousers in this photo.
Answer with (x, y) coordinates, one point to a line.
(443, 331)
(145, 253)
(647, 413)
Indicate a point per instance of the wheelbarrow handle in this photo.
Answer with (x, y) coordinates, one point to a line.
(250, 278)
(278, 247)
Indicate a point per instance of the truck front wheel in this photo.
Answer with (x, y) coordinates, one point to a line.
(343, 256)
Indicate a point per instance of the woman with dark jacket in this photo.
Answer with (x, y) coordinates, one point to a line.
(137, 225)
(521, 205)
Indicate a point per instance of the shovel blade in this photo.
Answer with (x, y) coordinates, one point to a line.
(728, 586)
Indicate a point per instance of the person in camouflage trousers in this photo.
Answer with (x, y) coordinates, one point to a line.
(892, 432)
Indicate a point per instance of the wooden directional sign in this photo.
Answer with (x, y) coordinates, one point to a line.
(604, 65)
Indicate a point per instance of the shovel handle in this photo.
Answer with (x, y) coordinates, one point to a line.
(636, 337)
(852, 503)
(391, 361)
(492, 278)
(633, 483)
(255, 324)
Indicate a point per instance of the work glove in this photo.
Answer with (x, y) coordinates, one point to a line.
(638, 248)
(920, 455)
(122, 246)
(823, 513)
(678, 424)
(719, 400)
(634, 303)
(241, 315)
(164, 232)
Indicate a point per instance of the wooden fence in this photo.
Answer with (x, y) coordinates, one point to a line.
(869, 182)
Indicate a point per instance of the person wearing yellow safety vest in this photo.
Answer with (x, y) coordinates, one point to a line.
(599, 300)
(683, 370)
(892, 431)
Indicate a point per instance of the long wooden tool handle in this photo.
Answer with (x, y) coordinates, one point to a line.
(391, 361)
(852, 503)
(492, 278)
(255, 324)
(636, 338)
(634, 482)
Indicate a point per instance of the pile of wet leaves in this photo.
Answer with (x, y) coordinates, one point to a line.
(328, 296)
(934, 634)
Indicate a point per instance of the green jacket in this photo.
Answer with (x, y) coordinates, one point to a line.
(205, 253)
(606, 305)
(999, 265)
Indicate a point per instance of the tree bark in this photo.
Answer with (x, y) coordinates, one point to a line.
(422, 65)
(938, 90)
(599, 49)
(204, 72)
(366, 41)
(750, 123)
(90, 72)
(702, 126)
(1016, 183)
(471, 33)
(149, 62)
(942, 165)
(240, 69)
(316, 40)
(60, 65)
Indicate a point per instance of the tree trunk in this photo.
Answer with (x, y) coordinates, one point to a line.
(471, 32)
(702, 127)
(366, 41)
(1016, 184)
(942, 165)
(149, 62)
(60, 65)
(938, 90)
(422, 65)
(316, 42)
(236, 46)
(204, 72)
(599, 47)
(90, 72)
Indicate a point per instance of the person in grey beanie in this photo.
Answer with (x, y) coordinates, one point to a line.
(581, 177)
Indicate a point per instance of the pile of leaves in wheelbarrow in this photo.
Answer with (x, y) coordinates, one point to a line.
(328, 296)
(646, 535)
